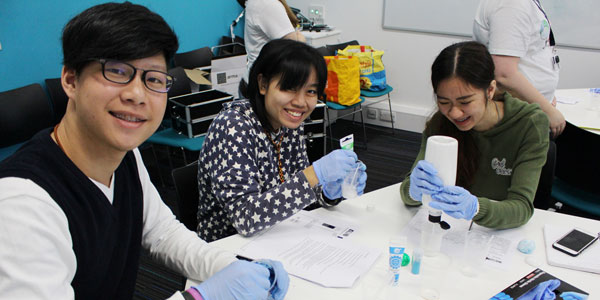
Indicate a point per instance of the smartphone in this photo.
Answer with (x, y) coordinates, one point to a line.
(574, 242)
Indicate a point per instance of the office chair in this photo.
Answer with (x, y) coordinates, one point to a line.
(335, 47)
(25, 111)
(167, 136)
(185, 180)
(323, 50)
(227, 46)
(194, 59)
(331, 50)
(356, 108)
(542, 197)
(58, 98)
(577, 166)
(170, 140)
(370, 95)
(182, 84)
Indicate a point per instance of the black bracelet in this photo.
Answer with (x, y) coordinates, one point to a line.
(323, 200)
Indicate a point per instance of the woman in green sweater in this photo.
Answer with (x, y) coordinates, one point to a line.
(502, 141)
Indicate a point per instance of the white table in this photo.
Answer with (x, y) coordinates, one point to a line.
(586, 113)
(388, 217)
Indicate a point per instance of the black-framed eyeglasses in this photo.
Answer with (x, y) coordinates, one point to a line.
(123, 73)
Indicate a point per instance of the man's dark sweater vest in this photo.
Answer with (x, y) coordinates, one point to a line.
(106, 238)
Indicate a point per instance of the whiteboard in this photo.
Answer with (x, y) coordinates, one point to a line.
(575, 23)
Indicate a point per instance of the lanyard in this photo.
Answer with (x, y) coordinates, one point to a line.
(278, 150)
(539, 5)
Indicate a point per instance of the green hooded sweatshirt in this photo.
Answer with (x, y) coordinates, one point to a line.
(511, 158)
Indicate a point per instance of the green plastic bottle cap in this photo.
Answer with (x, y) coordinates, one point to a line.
(405, 259)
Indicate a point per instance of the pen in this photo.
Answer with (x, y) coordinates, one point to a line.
(328, 225)
(244, 258)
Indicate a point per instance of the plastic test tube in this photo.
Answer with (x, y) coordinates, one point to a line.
(415, 266)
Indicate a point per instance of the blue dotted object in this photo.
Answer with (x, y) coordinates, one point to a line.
(526, 246)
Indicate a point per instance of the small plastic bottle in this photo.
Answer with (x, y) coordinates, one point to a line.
(417, 255)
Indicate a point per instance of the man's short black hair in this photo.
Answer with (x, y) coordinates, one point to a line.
(120, 31)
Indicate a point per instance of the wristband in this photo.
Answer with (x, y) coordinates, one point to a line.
(187, 296)
(194, 293)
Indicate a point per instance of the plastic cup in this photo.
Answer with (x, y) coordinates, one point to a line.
(431, 238)
(350, 183)
(476, 248)
(434, 271)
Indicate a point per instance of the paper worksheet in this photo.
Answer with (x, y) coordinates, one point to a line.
(315, 248)
(567, 100)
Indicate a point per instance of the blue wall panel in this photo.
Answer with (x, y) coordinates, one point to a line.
(30, 32)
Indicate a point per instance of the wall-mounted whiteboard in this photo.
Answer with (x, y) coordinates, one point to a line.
(575, 23)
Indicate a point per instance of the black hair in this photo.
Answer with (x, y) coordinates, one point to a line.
(120, 31)
(289, 61)
(471, 62)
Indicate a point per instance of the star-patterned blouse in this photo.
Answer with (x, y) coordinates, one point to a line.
(238, 175)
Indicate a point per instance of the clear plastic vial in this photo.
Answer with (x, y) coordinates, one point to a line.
(415, 266)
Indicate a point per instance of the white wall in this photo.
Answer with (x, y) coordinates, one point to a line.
(408, 57)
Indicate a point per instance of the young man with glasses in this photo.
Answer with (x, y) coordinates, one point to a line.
(76, 202)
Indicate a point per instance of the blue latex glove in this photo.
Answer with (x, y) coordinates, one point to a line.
(239, 280)
(281, 280)
(334, 166)
(456, 202)
(543, 291)
(423, 179)
(362, 179)
(501, 296)
(333, 190)
(573, 296)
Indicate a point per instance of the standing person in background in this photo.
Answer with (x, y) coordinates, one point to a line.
(520, 39)
(76, 201)
(502, 144)
(266, 20)
(253, 169)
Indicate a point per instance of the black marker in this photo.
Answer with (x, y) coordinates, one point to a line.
(243, 258)
(328, 225)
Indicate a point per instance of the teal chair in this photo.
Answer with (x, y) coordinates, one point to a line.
(372, 95)
(169, 137)
(356, 108)
(172, 140)
(575, 197)
(576, 175)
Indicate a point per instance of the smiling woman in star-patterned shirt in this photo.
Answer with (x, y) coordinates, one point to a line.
(253, 167)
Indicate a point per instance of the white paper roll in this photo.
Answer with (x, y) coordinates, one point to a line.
(442, 153)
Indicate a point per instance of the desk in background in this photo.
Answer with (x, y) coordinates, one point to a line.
(388, 217)
(585, 113)
(322, 38)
